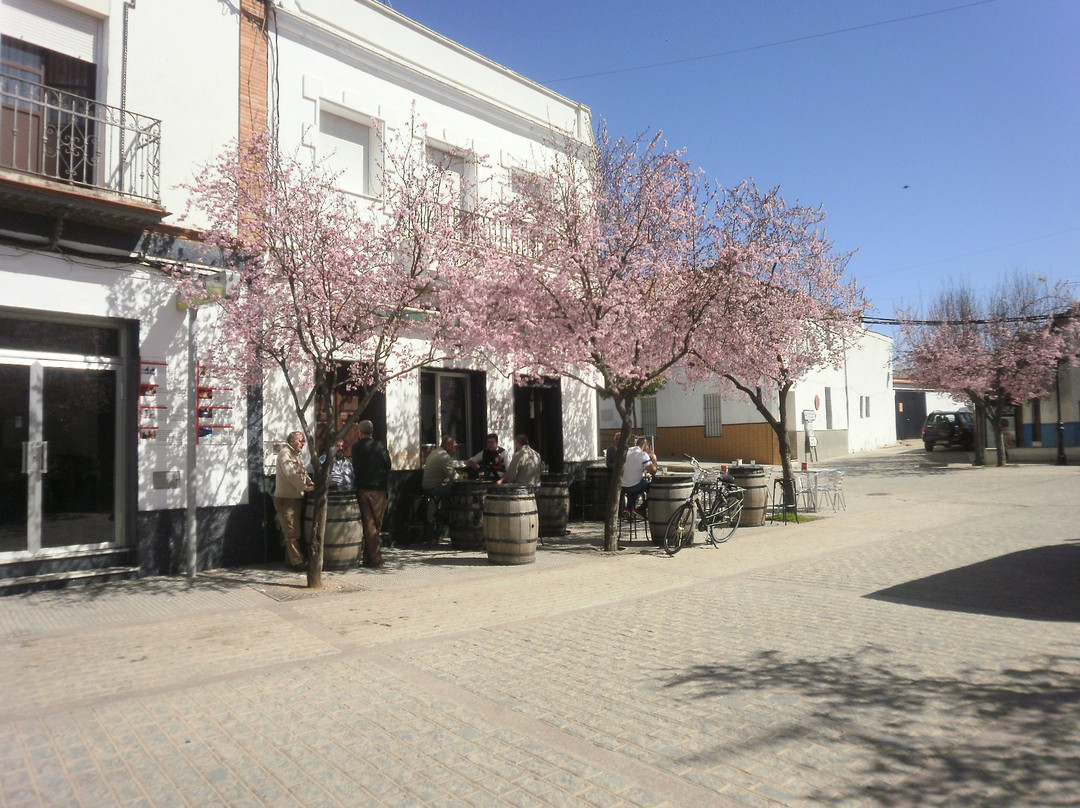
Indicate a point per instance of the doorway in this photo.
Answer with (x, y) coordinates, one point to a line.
(538, 414)
(58, 454)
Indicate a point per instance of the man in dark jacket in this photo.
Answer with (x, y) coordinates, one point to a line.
(371, 468)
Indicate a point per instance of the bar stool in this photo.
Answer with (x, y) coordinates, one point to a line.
(778, 505)
(631, 519)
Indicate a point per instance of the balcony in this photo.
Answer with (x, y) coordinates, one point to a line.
(70, 158)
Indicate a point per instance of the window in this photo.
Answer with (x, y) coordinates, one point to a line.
(453, 403)
(828, 408)
(647, 409)
(48, 115)
(714, 421)
(345, 145)
(456, 179)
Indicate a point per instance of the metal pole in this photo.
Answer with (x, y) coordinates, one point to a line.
(190, 522)
(1061, 459)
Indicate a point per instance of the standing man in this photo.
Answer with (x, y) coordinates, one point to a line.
(611, 452)
(371, 470)
(525, 467)
(290, 485)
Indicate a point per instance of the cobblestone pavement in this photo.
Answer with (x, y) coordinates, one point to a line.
(919, 648)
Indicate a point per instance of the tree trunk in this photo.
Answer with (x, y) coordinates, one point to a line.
(611, 520)
(318, 523)
(780, 428)
(980, 431)
(999, 433)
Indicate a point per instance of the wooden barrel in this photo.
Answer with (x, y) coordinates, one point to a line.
(597, 479)
(666, 493)
(344, 534)
(511, 525)
(553, 504)
(467, 514)
(752, 478)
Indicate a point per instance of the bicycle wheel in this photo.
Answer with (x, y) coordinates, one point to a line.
(680, 528)
(723, 521)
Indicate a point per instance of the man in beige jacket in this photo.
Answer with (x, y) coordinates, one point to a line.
(291, 484)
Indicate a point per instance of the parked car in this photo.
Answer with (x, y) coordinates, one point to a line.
(949, 428)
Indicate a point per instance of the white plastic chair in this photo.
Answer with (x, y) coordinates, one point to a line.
(833, 489)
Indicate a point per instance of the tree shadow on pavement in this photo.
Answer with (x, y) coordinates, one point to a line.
(987, 737)
(1042, 583)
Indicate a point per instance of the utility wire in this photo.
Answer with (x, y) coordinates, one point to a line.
(776, 44)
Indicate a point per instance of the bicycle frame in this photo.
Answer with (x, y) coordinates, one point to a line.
(715, 502)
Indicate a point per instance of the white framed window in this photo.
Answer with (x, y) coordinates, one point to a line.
(346, 145)
(714, 420)
(647, 411)
(456, 174)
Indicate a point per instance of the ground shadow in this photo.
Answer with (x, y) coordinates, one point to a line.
(980, 736)
(1038, 584)
(918, 462)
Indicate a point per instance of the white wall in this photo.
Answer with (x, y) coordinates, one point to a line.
(866, 371)
(183, 68)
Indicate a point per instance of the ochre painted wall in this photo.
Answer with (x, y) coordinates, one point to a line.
(747, 441)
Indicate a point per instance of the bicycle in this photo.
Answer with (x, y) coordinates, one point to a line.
(714, 506)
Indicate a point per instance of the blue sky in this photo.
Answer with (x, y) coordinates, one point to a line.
(942, 136)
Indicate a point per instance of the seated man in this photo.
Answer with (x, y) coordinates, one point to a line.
(439, 475)
(490, 463)
(525, 467)
(640, 461)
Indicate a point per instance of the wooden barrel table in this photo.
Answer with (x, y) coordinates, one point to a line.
(751, 478)
(467, 514)
(511, 525)
(553, 504)
(344, 534)
(597, 479)
(666, 493)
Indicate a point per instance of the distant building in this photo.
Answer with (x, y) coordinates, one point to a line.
(831, 413)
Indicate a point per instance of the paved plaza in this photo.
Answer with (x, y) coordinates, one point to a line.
(920, 648)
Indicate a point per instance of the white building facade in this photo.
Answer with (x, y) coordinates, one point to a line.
(831, 412)
(107, 110)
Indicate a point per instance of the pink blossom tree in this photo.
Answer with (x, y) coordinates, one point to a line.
(333, 295)
(620, 270)
(790, 309)
(995, 351)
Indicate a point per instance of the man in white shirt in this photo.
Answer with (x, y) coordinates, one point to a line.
(640, 461)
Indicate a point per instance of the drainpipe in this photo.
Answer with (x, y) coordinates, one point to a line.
(128, 5)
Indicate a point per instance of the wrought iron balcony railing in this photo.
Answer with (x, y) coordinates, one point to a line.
(76, 140)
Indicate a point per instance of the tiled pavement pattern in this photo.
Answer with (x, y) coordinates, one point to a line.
(921, 648)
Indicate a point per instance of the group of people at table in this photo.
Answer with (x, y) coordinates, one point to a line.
(366, 473)
(493, 464)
